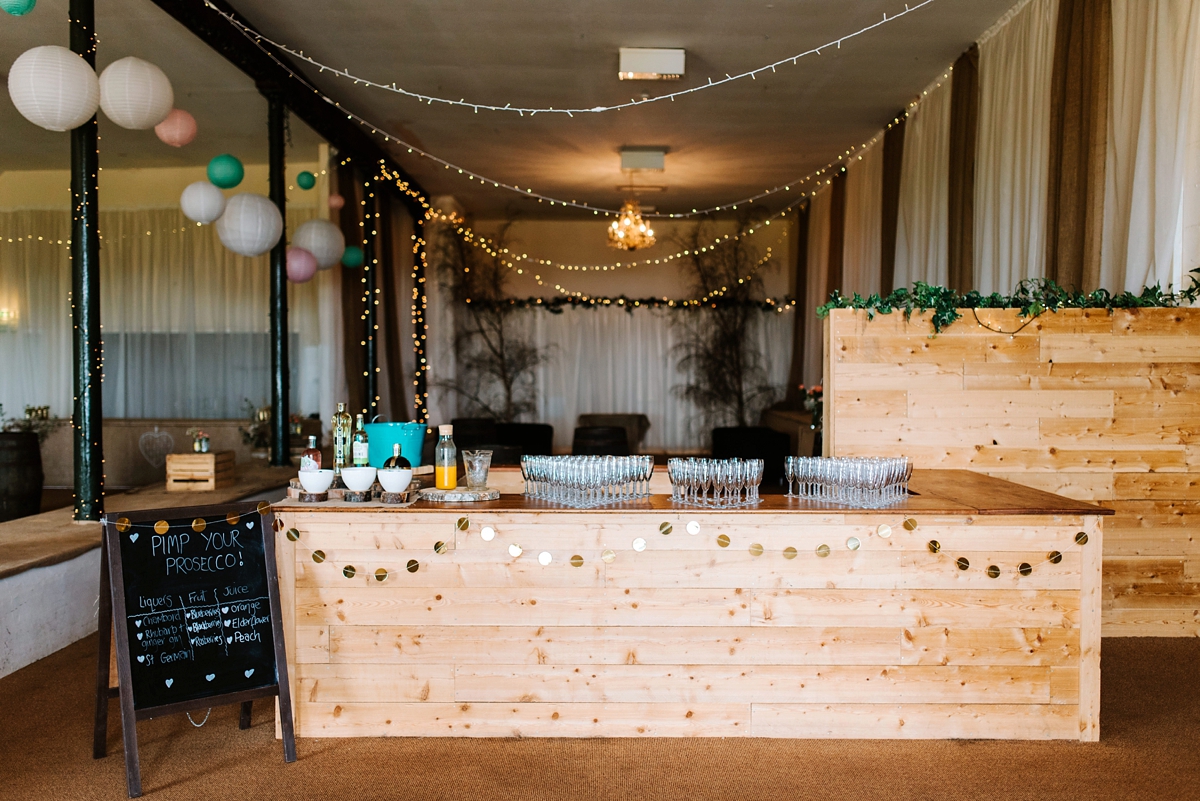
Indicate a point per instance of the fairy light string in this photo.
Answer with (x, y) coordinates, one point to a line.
(531, 111)
(818, 177)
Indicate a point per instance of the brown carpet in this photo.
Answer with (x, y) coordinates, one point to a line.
(1148, 750)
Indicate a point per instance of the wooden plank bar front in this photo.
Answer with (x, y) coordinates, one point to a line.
(659, 619)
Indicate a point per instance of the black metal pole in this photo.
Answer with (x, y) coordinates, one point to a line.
(371, 293)
(280, 376)
(87, 416)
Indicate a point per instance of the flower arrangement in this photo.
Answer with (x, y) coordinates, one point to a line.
(258, 433)
(37, 420)
(199, 440)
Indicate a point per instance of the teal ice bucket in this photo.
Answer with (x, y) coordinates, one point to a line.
(382, 436)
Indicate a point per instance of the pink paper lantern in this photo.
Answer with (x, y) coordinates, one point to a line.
(178, 129)
(336, 202)
(301, 265)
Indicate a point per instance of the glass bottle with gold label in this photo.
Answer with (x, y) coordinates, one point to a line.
(341, 439)
(360, 451)
(445, 459)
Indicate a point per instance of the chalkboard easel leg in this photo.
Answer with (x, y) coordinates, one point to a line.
(104, 645)
(247, 710)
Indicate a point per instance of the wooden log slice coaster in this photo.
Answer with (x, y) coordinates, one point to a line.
(459, 495)
(398, 498)
(312, 497)
(356, 497)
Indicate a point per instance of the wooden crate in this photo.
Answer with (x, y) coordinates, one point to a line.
(1096, 406)
(199, 472)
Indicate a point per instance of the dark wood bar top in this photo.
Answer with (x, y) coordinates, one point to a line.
(930, 492)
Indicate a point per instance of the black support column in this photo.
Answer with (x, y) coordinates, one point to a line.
(87, 415)
(371, 293)
(280, 375)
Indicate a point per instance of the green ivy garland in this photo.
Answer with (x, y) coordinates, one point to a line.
(1033, 297)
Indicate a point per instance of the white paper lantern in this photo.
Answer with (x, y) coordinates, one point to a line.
(135, 94)
(251, 224)
(323, 239)
(53, 88)
(202, 202)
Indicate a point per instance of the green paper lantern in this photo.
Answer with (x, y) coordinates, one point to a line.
(306, 180)
(353, 256)
(226, 171)
(18, 8)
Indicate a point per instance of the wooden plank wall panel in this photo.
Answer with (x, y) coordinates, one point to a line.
(1095, 406)
(747, 627)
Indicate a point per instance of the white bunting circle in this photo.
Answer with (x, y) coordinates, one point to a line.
(544, 558)
(487, 533)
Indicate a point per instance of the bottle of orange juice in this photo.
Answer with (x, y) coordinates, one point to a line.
(445, 459)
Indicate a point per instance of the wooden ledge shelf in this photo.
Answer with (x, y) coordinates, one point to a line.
(513, 618)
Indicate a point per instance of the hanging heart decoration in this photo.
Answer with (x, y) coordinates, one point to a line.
(155, 445)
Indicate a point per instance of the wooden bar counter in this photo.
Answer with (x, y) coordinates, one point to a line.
(970, 610)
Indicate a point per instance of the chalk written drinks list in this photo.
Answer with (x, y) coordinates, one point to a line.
(198, 613)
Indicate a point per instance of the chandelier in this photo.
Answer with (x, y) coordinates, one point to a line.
(629, 231)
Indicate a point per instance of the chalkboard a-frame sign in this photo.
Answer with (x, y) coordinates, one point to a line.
(194, 594)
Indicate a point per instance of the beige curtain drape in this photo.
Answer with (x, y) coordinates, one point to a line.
(817, 284)
(1147, 204)
(922, 244)
(961, 171)
(1012, 156)
(861, 247)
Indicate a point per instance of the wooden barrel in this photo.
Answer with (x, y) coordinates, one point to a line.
(20, 475)
(600, 441)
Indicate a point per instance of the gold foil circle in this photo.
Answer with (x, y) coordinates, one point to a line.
(381, 575)
(1024, 568)
(934, 546)
(413, 566)
(122, 524)
(348, 571)
(233, 518)
(756, 549)
(910, 524)
(608, 556)
(723, 540)
(665, 528)
(439, 547)
(161, 527)
(318, 556)
(198, 525)
(576, 561)
(1081, 538)
(263, 507)
(463, 524)
(993, 571)
(1054, 557)
(962, 562)
(293, 534)
(822, 550)
(789, 552)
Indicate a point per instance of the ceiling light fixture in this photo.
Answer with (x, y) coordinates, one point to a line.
(629, 231)
(650, 64)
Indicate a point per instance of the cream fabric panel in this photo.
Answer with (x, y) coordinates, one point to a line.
(864, 211)
(921, 228)
(1148, 206)
(1012, 149)
(817, 292)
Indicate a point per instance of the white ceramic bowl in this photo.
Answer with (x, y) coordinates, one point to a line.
(358, 479)
(396, 480)
(316, 480)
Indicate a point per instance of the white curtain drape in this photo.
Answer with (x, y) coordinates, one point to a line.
(1012, 148)
(185, 320)
(816, 290)
(922, 225)
(611, 361)
(864, 212)
(1148, 205)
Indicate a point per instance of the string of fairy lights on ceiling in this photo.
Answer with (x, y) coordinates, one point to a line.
(531, 111)
(818, 177)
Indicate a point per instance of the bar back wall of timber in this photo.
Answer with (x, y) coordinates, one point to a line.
(1094, 406)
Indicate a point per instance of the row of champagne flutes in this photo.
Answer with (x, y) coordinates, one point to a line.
(864, 481)
(583, 482)
(731, 482)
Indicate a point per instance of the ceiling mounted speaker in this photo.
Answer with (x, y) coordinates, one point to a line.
(651, 64)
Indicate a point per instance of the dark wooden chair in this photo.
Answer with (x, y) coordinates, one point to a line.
(531, 439)
(754, 442)
(474, 432)
(600, 441)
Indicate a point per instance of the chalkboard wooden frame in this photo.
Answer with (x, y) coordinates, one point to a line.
(113, 610)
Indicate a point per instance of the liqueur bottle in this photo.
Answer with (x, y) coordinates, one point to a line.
(445, 459)
(359, 447)
(311, 458)
(396, 461)
(341, 439)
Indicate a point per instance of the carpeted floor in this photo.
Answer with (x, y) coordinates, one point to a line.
(1149, 747)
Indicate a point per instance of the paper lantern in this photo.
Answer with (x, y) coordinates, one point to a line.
(53, 88)
(18, 8)
(178, 129)
(323, 239)
(336, 202)
(301, 265)
(353, 256)
(226, 171)
(135, 94)
(202, 202)
(251, 224)
(306, 180)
